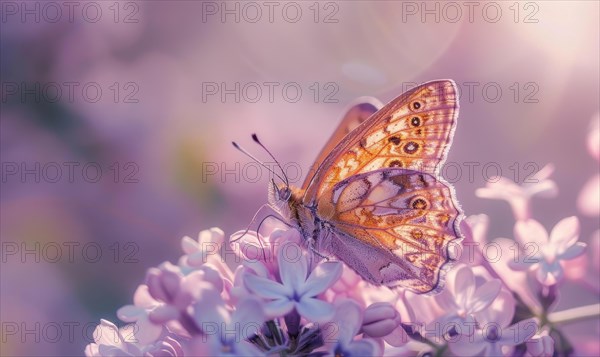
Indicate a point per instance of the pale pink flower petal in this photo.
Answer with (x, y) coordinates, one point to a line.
(565, 232)
(464, 285)
(380, 320)
(485, 294)
(518, 196)
(547, 254)
(531, 231)
(322, 277)
(588, 201)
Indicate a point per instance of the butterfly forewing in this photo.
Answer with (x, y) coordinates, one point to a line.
(354, 117)
(413, 132)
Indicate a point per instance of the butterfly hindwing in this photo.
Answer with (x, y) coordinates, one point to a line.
(405, 218)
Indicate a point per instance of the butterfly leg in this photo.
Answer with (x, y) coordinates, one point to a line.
(262, 210)
(312, 243)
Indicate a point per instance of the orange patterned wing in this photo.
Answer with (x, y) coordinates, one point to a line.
(355, 115)
(413, 132)
(393, 226)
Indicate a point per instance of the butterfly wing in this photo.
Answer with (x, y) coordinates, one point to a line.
(393, 226)
(413, 131)
(356, 115)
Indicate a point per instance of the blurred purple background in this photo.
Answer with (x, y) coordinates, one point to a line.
(141, 97)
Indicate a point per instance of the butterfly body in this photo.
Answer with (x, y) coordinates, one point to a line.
(376, 200)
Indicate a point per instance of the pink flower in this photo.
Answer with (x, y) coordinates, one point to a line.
(493, 335)
(543, 254)
(297, 290)
(204, 249)
(346, 322)
(462, 297)
(226, 333)
(175, 292)
(138, 313)
(518, 196)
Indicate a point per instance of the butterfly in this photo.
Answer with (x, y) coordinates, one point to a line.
(376, 200)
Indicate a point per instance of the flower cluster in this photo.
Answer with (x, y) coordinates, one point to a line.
(264, 294)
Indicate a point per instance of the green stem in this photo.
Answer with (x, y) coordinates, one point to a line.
(574, 314)
(440, 352)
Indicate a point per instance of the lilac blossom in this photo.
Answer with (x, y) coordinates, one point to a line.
(277, 298)
(519, 196)
(493, 334)
(346, 324)
(297, 290)
(548, 251)
(463, 298)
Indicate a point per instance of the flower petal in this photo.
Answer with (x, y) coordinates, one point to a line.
(346, 321)
(588, 201)
(130, 313)
(379, 328)
(485, 295)
(266, 288)
(321, 278)
(142, 297)
(464, 286)
(467, 345)
(566, 231)
(543, 188)
(317, 310)
(531, 231)
(293, 267)
(248, 313)
(188, 245)
(212, 235)
(279, 307)
(107, 333)
(397, 338)
(365, 347)
(573, 251)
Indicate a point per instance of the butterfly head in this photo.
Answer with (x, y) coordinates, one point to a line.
(279, 196)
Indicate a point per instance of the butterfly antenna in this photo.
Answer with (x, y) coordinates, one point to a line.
(258, 161)
(255, 138)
